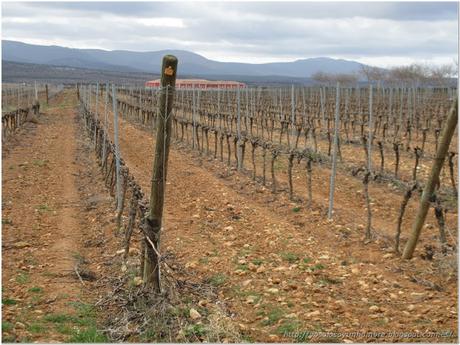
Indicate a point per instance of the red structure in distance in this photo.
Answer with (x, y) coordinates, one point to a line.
(200, 84)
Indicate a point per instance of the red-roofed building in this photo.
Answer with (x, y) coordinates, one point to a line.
(200, 84)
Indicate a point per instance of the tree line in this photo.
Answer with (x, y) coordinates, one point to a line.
(414, 75)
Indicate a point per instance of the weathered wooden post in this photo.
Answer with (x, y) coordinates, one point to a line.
(117, 146)
(371, 132)
(46, 93)
(238, 128)
(441, 152)
(35, 103)
(334, 153)
(163, 136)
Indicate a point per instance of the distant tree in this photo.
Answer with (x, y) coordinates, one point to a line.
(346, 79)
(333, 78)
(412, 75)
(415, 75)
(440, 75)
(373, 74)
(322, 78)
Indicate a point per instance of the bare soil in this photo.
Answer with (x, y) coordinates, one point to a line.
(278, 266)
(279, 258)
(48, 219)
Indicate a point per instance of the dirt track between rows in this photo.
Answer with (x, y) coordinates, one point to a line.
(45, 179)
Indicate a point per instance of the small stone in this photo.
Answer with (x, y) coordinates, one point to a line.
(228, 228)
(194, 314)
(273, 290)
(389, 255)
(281, 268)
(138, 281)
(374, 308)
(19, 325)
(246, 282)
(134, 251)
(252, 267)
(341, 302)
(293, 286)
(251, 299)
(246, 246)
(261, 269)
(190, 265)
(21, 244)
(313, 313)
(411, 307)
(355, 270)
(417, 294)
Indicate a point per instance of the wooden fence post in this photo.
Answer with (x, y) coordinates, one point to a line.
(334, 153)
(163, 136)
(371, 132)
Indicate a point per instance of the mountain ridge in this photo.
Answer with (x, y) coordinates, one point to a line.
(150, 61)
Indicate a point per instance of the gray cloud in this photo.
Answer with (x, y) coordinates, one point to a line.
(374, 32)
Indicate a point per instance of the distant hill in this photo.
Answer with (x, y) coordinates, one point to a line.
(189, 63)
(18, 72)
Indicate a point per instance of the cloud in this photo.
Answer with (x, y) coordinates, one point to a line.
(375, 32)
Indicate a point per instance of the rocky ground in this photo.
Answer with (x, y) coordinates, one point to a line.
(279, 271)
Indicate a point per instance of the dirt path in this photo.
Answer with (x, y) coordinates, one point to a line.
(282, 271)
(43, 299)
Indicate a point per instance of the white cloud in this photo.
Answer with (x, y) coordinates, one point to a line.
(382, 33)
(159, 21)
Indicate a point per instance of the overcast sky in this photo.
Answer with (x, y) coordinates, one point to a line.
(377, 33)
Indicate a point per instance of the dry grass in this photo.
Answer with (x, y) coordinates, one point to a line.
(135, 314)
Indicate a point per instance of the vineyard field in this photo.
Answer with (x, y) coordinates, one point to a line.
(252, 249)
